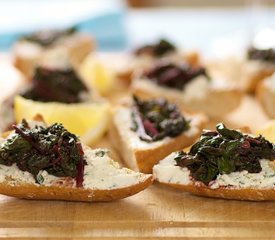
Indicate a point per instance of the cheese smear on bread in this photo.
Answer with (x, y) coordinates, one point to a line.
(101, 172)
(167, 172)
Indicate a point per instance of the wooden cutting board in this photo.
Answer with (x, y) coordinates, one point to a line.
(157, 212)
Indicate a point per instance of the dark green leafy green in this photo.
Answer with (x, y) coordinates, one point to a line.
(155, 119)
(173, 75)
(55, 85)
(52, 149)
(266, 55)
(48, 37)
(225, 151)
(157, 50)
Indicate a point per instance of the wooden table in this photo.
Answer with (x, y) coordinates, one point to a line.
(157, 212)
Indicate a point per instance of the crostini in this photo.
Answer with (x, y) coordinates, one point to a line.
(28, 49)
(39, 162)
(123, 65)
(53, 81)
(144, 132)
(188, 86)
(223, 164)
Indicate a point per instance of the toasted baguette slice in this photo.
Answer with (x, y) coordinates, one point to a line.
(215, 99)
(104, 180)
(259, 187)
(265, 93)
(26, 53)
(140, 155)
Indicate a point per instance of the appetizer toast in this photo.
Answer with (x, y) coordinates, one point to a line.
(144, 132)
(188, 86)
(222, 164)
(38, 162)
(30, 48)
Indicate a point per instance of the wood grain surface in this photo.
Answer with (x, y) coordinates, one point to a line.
(156, 213)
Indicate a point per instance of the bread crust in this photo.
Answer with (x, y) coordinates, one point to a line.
(31, 191)
(143, 160)
(249, 194)
(78, 47)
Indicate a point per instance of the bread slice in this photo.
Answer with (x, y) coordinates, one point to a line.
(26, 53)
(259, 188)
(104, 180)
(215, 99)
(140, 155)
(265, 93)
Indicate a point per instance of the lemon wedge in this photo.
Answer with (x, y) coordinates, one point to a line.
(96, 75)
(87, 120)
(268, 131)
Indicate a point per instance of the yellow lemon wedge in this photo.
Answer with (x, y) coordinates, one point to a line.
(96, 75)
(87, 120)
(268, 131)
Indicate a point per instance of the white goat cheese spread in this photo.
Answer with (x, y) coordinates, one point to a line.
(167, 172)
(101, 172)
(104, 173)
(123, 120)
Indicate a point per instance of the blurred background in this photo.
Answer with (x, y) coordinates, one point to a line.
(121, 25)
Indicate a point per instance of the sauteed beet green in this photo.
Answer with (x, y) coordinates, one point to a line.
(55, 85)
(157, 50)
(52, 149)
(267, 55)
(48, 37)
(173, 75)
(224, 151)
(156, 119)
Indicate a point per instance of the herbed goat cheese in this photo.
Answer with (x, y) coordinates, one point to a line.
(104, 173)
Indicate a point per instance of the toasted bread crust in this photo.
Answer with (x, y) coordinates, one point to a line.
(31, 191)
(143, 160)
(226, 193)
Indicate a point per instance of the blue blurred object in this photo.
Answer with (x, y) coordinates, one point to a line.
(102, 19)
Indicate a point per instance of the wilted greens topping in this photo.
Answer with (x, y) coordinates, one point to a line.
(48, 37)
(174, 76)
(157, 50)
(59, 85)
(156, 119)
(225, 151)
(267, 55)
(52, 149)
